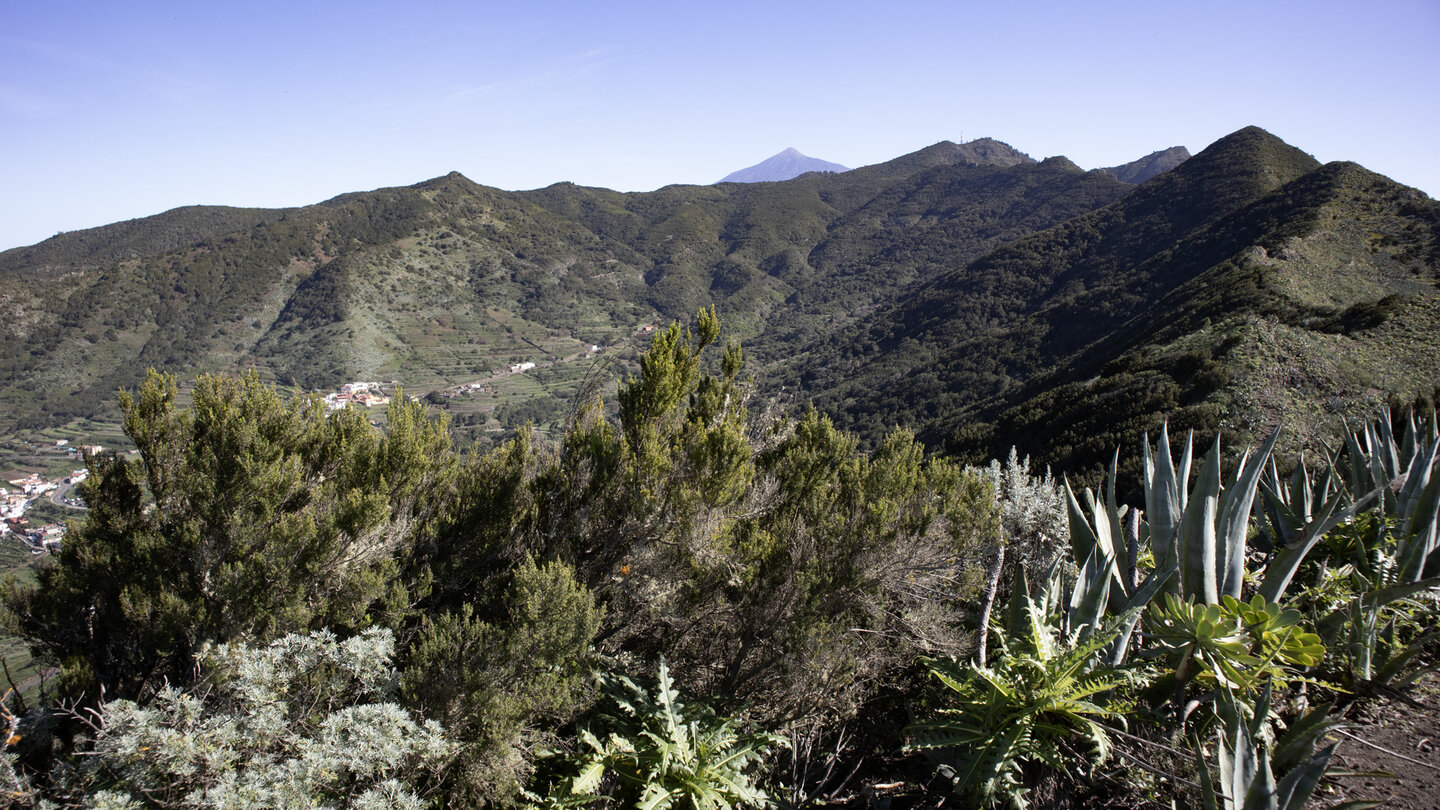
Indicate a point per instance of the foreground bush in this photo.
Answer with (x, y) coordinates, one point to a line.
(302, 722)
(245, 517)
(769, 561)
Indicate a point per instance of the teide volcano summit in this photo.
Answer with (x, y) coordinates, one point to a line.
(784, 166)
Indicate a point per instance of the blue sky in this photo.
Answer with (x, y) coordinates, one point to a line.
(115, 110)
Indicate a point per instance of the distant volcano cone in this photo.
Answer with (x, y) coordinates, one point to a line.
(789, 163)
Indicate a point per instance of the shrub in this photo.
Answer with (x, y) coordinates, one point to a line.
(303, 721)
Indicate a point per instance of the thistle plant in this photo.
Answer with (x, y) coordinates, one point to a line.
(1043, 694)
(654, 751)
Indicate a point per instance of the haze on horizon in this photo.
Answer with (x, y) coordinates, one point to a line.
(112, 112)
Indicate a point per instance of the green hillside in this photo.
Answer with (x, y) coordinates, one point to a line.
(966, 291)
(683, 586)
(1246, 288)
(448, 282)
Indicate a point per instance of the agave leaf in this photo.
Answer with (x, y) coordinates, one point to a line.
(1358, 470)
(1225, 756)
(1184, 469)
(1017, 612)
(1387, 449)
(1083, 538)
(1242, 768)
(1106, 529)
(1092, 592)
(1389, 672)
(1207, 778)
(1121, 586)
(1299, 739)
(1421, 525)
(1381, 473)
(1418, 474)
(1287, 561)
(1260, 794)
(1408, 680)
(1287, 505)
(1134, 607)
(1197, 536)
(1235, 506)
(1296, 786)
(1164, 498)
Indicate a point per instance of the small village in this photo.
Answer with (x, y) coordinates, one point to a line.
(364, 394)
(485, 387)
(23, 492)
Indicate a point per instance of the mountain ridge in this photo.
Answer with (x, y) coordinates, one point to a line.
(966, 291)
(1051, 333)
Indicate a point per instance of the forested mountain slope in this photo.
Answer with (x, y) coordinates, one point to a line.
(1246, 265)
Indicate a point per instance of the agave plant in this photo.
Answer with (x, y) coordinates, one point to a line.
(656, 752)
(1256, 776)
(1203, 529)
(1102, 590)
(1379, 639)
(1375, 562)
(1405, 474)
(1043, 694)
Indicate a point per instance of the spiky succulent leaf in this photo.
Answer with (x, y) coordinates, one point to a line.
(1287, 561)
(1197, 544)
(1236, 503)
(1299, 784)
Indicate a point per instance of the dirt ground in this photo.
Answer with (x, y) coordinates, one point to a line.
(1407, 728)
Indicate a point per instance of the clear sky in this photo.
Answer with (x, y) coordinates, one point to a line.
(114, 110)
